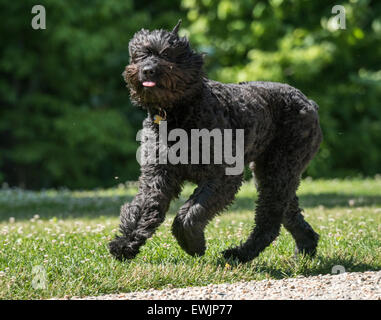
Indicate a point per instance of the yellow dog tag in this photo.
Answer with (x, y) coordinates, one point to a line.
(157, 119)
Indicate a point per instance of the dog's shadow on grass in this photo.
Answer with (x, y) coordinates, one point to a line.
(305, 266)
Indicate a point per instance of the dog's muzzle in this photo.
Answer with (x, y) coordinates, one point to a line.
(147, 74)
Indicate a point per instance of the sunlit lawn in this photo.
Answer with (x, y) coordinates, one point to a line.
(66, 234)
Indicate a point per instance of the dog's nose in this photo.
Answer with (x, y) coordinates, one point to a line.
(148, 70)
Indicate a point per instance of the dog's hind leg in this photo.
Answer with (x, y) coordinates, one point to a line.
(274, 192)
(305, 237)
(277, 172)
(208, 199)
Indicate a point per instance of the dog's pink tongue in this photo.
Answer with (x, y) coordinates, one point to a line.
(149, 84)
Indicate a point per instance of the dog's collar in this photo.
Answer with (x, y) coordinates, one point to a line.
(162, 116)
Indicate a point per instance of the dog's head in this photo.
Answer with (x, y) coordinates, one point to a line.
(163, 68)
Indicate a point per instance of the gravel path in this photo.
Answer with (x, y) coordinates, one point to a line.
(357, 286)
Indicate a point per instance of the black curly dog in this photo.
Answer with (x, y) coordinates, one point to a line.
(281, 135)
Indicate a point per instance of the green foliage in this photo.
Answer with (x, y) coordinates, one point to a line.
(65, 115)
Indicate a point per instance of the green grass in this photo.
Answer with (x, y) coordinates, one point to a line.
(66, 232)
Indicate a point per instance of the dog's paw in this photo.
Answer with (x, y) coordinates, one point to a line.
(308, 246)
(191, 240)
(121, 249)
(307, 251)
(237, 254)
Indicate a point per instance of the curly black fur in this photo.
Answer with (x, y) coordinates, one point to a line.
(281, 135)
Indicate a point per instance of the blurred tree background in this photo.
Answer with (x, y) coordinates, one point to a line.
(65, 114)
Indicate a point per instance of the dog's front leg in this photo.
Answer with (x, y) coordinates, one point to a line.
(208, 199)
(140, 218)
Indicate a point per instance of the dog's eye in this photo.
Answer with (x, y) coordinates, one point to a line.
(165, 54)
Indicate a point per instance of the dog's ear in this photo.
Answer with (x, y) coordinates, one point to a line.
(176, 28)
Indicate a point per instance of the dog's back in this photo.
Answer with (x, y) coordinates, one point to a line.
(268, 101)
